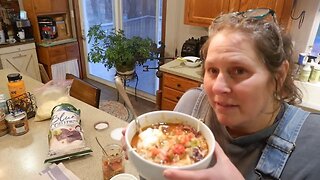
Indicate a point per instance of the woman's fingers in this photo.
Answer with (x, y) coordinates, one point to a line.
(123, 142)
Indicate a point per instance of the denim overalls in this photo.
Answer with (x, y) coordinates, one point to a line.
(279, 145)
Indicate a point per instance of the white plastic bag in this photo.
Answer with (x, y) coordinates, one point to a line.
(50, 95)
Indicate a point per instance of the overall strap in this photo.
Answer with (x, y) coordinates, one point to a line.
(281, 143)
(201, 106)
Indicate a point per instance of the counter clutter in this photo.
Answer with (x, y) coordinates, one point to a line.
(22, 157)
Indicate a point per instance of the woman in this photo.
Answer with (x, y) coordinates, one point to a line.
(247, 89)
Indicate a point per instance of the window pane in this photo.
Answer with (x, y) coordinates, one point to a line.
(316, 44)
(139, 19)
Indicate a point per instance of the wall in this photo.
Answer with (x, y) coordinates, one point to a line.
(304, 37)
(176, 31)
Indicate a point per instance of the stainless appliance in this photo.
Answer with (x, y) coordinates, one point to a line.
(23, 25)
(192, 46)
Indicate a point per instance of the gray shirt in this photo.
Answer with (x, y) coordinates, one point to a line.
(245, 151)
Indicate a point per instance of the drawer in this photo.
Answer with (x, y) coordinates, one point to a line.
(167, 104)
(178, 83)
(16, 48)
(72, 51)
(171, 94)
(57, 54)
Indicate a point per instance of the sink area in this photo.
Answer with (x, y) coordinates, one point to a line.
(311, 95)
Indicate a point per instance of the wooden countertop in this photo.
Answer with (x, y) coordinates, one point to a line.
(178, 68)
(22, 157)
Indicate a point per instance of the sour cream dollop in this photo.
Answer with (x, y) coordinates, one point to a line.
(149, 137)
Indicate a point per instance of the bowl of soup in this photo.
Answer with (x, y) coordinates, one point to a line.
(168, 139)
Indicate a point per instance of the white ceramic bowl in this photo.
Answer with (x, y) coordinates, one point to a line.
(151, 170)
(192, 61)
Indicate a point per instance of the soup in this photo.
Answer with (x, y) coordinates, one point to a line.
(170, 144)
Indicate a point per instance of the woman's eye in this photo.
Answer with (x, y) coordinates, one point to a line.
(213, 71)
(238, 71)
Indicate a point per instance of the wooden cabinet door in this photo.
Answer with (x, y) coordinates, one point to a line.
(72, 51)
(59, 5)
(42, 6)
(25, 62)
(281, 7)
(201, 12)
(50, 6)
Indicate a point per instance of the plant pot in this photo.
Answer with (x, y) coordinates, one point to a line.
(125, 71)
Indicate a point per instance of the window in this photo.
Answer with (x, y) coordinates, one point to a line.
(316, 44)
(137, 18)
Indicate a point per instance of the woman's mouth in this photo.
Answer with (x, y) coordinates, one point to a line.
(221, 106)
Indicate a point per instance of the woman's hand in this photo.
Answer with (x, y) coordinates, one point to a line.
(123, 142)
(222, 170)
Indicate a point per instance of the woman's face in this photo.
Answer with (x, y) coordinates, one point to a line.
(238, 84)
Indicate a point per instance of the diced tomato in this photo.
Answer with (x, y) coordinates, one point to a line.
(154, 152)
(178, 149)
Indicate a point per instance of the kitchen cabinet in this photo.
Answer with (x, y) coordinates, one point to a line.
(57, 54)
(50, 6)
(22, 58)
(202, 12)
(64, 46)
(173, 87)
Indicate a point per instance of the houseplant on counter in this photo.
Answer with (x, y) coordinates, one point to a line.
(118, 51)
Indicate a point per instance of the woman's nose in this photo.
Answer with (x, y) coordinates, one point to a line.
(220, 85)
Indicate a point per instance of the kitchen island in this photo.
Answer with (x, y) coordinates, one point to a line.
(22, 157)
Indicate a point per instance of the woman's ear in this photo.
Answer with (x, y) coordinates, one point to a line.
(283, 72)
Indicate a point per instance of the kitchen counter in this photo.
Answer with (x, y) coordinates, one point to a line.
(22, 157)
(16, 43)
(176, 67)
(311, 95)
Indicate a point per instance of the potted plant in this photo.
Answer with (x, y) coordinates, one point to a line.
(116, 50)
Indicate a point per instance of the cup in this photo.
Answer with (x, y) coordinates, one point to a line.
(11, 40)
(112, 161)
(21, 35)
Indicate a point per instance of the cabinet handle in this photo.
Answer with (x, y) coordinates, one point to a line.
(178, 85)
(178, 98)
(20, 55)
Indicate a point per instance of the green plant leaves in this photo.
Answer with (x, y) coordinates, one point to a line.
(115, 49)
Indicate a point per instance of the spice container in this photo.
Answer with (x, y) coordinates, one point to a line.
(17, 123)
(3, 124)
(15, 85)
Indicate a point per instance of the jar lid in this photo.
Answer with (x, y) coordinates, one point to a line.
(14, 77)
(15, 116)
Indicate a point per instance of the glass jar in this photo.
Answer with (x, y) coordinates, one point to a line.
(15, 85)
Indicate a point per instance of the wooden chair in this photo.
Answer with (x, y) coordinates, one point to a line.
(84, 91)
(43, 73)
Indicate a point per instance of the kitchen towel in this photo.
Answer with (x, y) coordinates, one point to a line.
(57, 172)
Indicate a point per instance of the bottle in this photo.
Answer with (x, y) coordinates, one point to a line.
(315, 75)
(15, 85)
(305, 73)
